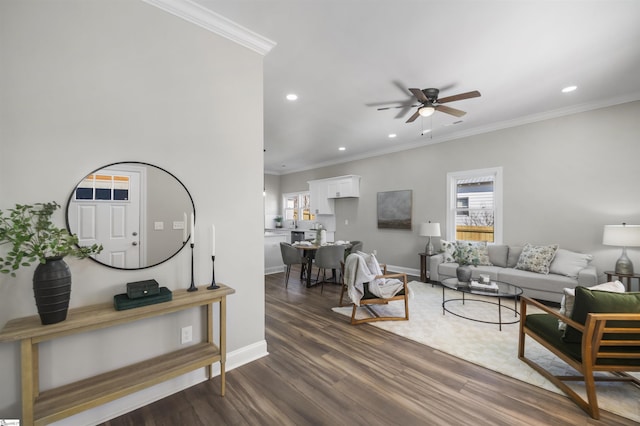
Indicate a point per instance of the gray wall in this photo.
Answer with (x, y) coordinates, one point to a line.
(85, 83)
(564, 179)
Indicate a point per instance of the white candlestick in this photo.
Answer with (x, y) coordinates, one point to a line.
(193, 230)
(184, 227)
(213, 240)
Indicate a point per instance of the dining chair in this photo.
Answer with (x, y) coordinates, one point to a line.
(355, 247)
(329, 257)
(291, 256)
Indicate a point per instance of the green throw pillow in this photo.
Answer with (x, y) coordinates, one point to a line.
(595, 301)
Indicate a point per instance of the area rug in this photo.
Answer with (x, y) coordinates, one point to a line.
(485, 345)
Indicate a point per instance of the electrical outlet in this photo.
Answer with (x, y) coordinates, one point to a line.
(186, 335)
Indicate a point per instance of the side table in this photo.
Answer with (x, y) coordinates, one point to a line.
(621, 277)
(424, 267)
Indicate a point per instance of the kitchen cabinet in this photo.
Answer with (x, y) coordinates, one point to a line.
(320, 202)
(272, 257)
(343, 187)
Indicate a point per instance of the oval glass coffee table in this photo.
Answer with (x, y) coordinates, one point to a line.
(504, 291)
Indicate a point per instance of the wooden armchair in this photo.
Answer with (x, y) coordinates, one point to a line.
(603, 342)
(368, 298)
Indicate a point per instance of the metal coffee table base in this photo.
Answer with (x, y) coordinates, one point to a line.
(499, 305)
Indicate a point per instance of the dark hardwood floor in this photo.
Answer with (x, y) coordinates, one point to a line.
(323, 371)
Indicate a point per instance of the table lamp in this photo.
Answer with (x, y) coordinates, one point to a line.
(429, 230)
(625, 236)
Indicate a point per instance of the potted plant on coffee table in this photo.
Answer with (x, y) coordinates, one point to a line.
(465, 255)
(32, 237)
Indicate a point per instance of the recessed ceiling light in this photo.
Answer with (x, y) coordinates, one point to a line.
(569, 89)
(292, 97)
(342, 148)
(392, 135)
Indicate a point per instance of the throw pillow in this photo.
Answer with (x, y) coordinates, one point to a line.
(449, 248)
(371, 262)
(599, 301)
(569, 295)
(480, 251)
(569, 263)
(536, 258)
(498, 254)
(514, 255)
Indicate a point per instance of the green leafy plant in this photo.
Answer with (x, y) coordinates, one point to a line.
(465, 255)
(33, 237)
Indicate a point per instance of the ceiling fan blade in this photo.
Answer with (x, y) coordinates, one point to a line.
(413, 117)
(459, 97)
(394, 107)
(449, 110)
(419, 94)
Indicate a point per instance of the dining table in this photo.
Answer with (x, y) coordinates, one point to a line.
(309, 252)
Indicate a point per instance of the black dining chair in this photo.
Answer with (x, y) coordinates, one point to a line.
(329, 257)
(291, 256)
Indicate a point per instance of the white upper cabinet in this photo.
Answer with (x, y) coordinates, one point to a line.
(325, 191)
(344, 187)
(320, 202)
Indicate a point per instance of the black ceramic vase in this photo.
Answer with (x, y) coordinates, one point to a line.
(464, 273)
(52, 290)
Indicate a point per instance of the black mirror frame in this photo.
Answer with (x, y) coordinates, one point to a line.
(185, 243)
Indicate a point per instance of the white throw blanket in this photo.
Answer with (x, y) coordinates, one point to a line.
(361, 268)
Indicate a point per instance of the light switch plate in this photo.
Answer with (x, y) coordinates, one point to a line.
(158, 226)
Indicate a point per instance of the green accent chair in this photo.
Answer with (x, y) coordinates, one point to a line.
(602, 335)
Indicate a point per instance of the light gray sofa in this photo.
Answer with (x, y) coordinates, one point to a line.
(565, 272)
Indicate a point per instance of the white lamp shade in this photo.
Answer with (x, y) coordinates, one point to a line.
(621, 235)
(430, 229)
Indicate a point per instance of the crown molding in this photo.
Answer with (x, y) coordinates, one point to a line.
(218, 24)
(529, 119)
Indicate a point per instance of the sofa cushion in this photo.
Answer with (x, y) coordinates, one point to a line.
(498, 254)
(596, 301)
(514, 255)
(536, 258)
(529, 280)
(569, 294)
(569, 263)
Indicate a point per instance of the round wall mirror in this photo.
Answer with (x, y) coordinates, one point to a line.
(139, 212)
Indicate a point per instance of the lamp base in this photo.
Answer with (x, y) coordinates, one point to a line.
(429, 248)
(623, 264)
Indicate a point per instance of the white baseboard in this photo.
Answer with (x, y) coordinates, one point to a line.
(274, 269)
(402, 269)
(147, 396)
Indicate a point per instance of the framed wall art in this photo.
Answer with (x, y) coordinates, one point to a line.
(394, 209)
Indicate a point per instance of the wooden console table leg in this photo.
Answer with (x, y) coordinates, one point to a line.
(210, 336)
(223, 343)
(29, 356)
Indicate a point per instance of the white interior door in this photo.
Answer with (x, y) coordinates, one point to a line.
(115, 220)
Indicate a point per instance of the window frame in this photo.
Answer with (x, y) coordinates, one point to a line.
(452, 199)
(300, 209)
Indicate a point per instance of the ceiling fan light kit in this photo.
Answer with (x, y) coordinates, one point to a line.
(429, 103)
(426, 111)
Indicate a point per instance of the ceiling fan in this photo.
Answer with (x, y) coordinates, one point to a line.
(429, 103)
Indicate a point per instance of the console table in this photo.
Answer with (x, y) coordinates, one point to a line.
(41, 408)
